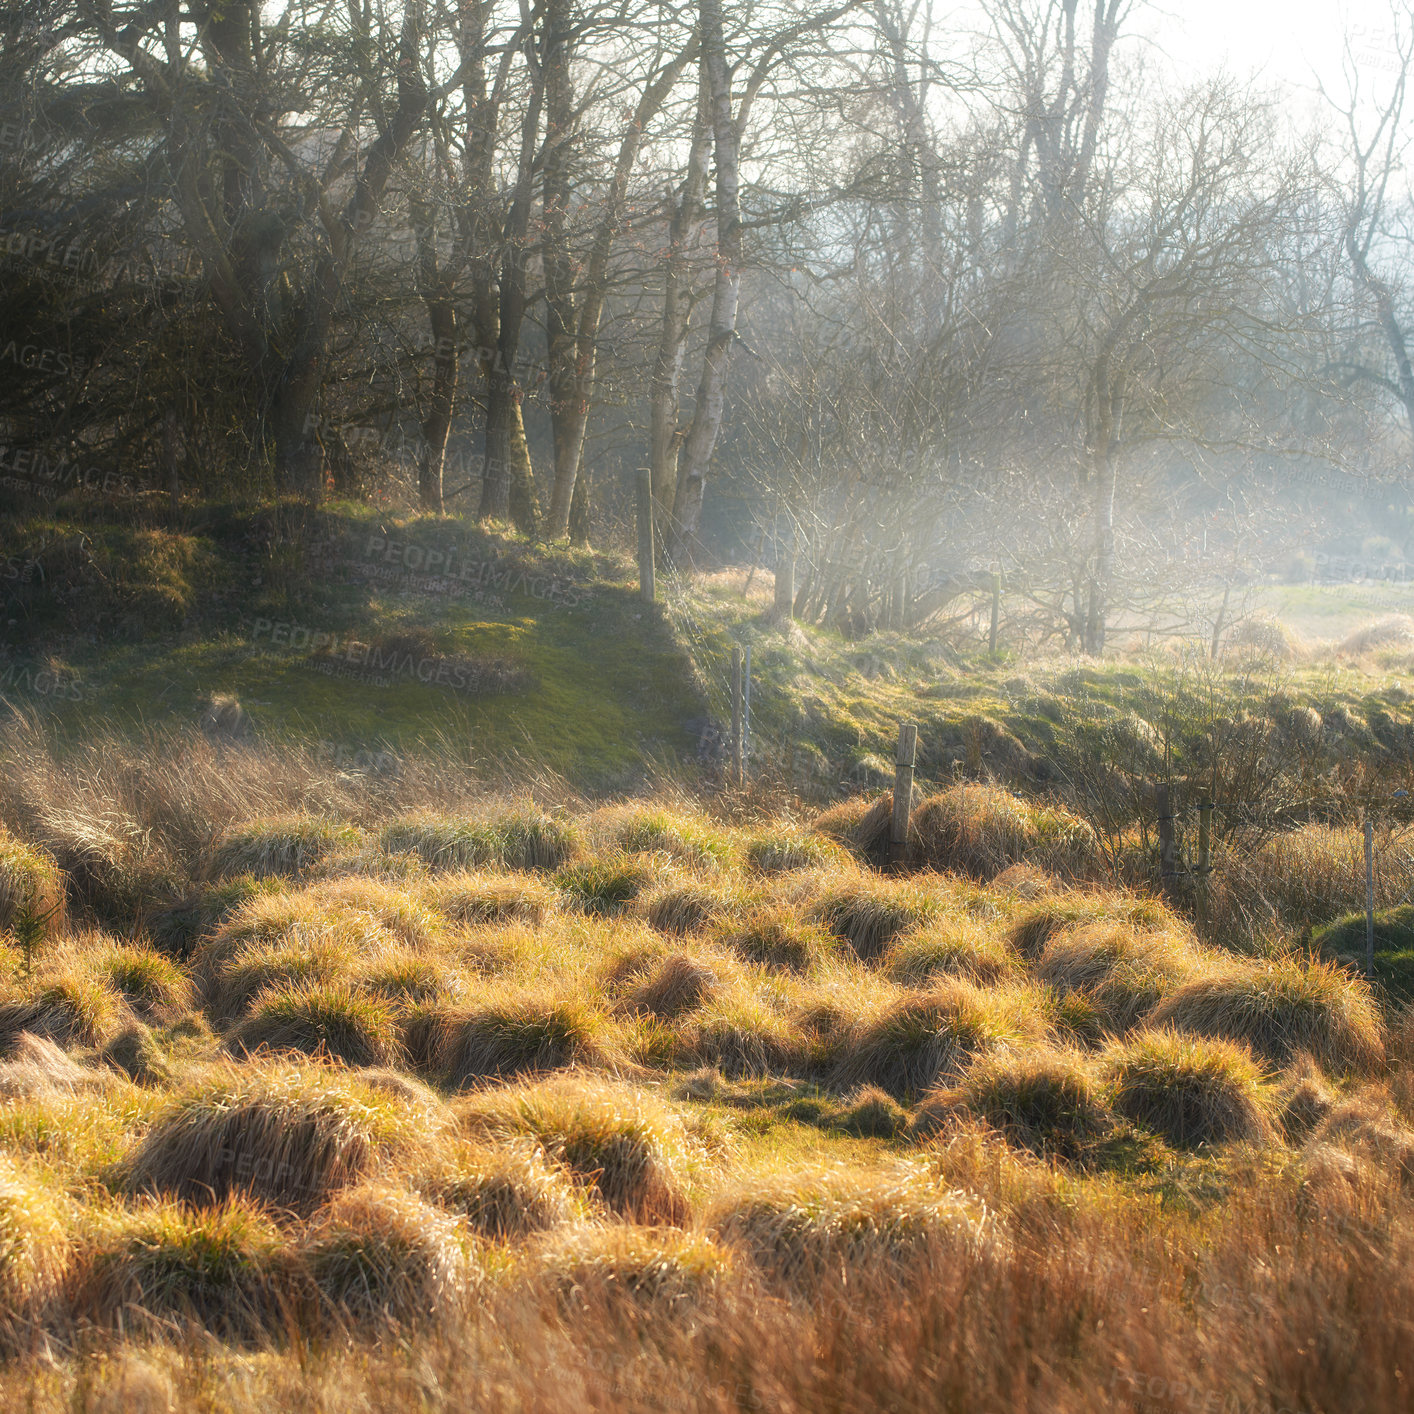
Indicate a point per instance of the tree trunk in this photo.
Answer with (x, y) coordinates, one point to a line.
(442, 323)
(701, 439)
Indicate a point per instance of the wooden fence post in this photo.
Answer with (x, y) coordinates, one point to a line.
(1168, 864)
(903, 791)
(736, 715)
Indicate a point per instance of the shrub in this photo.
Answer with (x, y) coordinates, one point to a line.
(289, 1135)
(1280, 1008)
(484, 899)
(35, 1253)
(216, 1268)
(283, 847)
(1123, 974)
(381, 1254)
(951, 946)
(604, 886)
(870, 914)
(328, 1018)
(521, 1033)
(778, 938)
(508, 1194)
(981, 830)
(1043, 1100)
(805, 1228)
(1191, 1090)
(931, 1036)
(628, 1149)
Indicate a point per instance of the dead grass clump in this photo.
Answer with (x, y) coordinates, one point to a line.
(1263, 636)
(871, 1114)
(871, 913)
(151, 983)
(739, 1034)
(783, 851)
(328, 1018)
(1035, 927)
(515, 840)
(954, 945)
(805, 1228)
(507, 1194)
(1191, 1090)
(779, 938)
(135, 1053)
(932, 1036)
(1280, 1008)
(657, 1271)
(289, 1135)
(254, 971)
(218, 1269)
(636, 829)
(981, 829)
(861, 825)
(680, 984)
(1043, 1100)
(1367, 1125)
(406, 978)
(31, 887)
(629, 1149)
(520, 1033)
(70, 1006)
(1303, 1099)
(484, 899)
(1392, 631)
(605, 887)
(35, 1253)
(1124, 974)
(283, 847)
(381, 1254)
(685, 908)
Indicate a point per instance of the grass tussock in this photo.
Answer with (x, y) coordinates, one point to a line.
(777, 937)
(1191, 1090)
(289, 1135)
(321, 1018)
(981, 830)
(516, 840)
(870, 913)
(1044, 1100)
(1034, 927)
(785, 851)
(682, 908)
(518, 1033)
(507, 1193)
(954, 945)
(629, 1149)
(932, 1036)
(482, 899)
(68, 1005)
(802, 1229)
(605, 887)
(1281, 1008)
(135, 1052)
(657, 1272)
(154, 986)
(379, 1254)
(861, 825)
(681, 983)
(688, 839)
(35, 1255)
(31, 888)
(284, 847)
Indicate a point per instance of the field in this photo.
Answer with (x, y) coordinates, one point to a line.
(328, 1090)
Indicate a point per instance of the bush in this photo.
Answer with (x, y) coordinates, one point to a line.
(1280, 1008)
(217, 1268)
(289, 1135)
(381, 1254)
(932, 1036)
(1043, 1100)
(1189, 1089)
(981, 830)
(328, 1018)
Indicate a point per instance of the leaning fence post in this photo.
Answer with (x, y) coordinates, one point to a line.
(1370, 898)
(736, 714)
(647, 587)
(903, 790)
